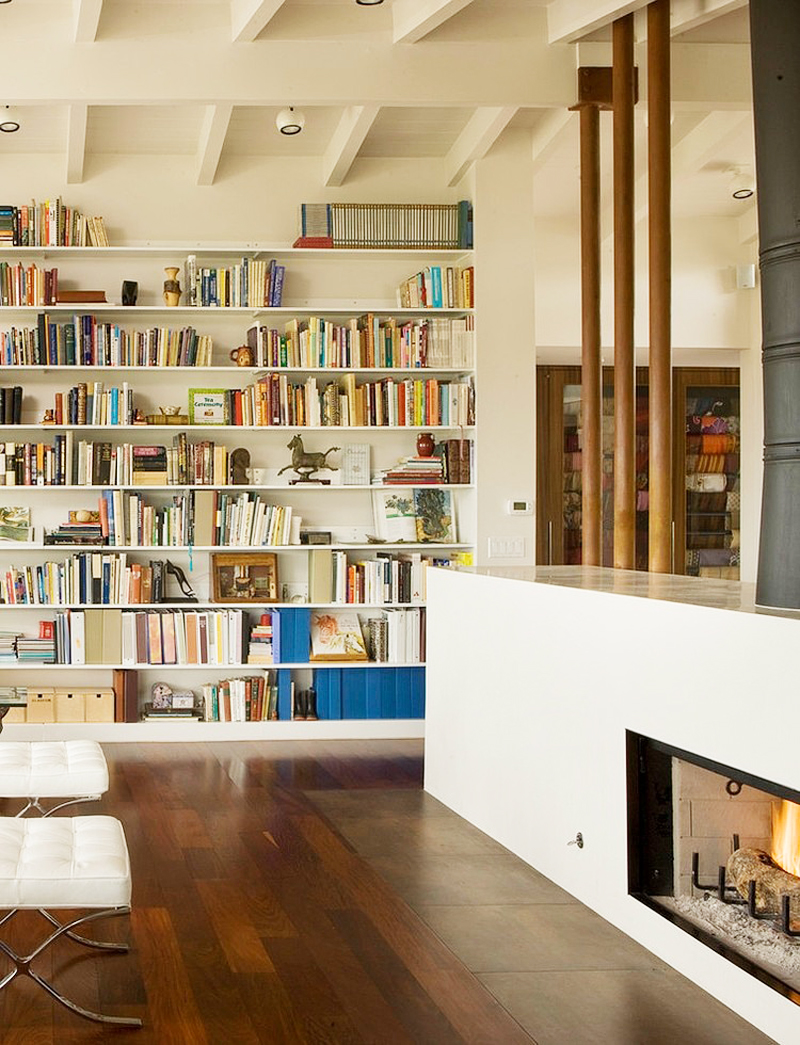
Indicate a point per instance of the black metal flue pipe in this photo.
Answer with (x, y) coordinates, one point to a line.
(775, 43)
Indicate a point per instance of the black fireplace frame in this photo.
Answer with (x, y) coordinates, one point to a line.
(650, 838)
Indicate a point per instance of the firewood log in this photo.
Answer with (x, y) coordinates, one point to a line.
(747, 865)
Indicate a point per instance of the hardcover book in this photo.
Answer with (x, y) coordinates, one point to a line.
(337, 636)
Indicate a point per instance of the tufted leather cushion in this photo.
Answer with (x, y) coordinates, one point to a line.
(57, 769)
(78, 861)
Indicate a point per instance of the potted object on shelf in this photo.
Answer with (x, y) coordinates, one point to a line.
(425, 444)
(172, 288)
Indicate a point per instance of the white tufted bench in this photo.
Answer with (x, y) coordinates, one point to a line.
(71, 770)
(78, 863)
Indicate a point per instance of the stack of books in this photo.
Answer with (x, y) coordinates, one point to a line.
(8, 646)
(414, 471)
(40, 651)
(259, 650)
(13, 695)
(76, 533)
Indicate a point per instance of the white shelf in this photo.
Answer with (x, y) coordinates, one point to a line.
(246, 548)
(183, 731)
(37, 425)
(36, 665)
(189, 606)
(253, 250)
(246, 371)
(349, 308)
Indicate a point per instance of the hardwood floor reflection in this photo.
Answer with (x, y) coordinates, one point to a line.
(253, 919)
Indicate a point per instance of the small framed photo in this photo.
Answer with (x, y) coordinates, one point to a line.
(241, 577)
(208, 406)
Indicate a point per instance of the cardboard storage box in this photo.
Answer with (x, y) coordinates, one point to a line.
(41, 705)
(14, 715)
(70, 705)
(99, 705)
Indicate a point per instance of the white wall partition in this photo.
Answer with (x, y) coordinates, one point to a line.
(531, 687)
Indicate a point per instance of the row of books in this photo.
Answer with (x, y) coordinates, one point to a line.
(94, 404)
(86, 578)
(388, 578)
(252, 698)
(11, 404)
(249, 283)
(391, 692)
(27, 284)
(436, 225)
(84, 340)
(437, 287)
(50, 223)
(365, 341)
(71, 462)
(395, 636)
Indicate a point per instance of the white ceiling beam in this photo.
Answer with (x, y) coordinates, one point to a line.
(413, 19)
(689, 14)
(346, 141)
(248, 18)
(76, 142)
(569, 20)
(546, 134)
(481, 132)
(87, 18)
(706, 141)
(212, 139)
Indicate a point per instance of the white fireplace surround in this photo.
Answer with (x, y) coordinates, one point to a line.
(533, 678)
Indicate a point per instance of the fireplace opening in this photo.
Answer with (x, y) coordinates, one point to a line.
(716, 850)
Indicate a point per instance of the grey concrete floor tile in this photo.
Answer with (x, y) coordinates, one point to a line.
(516, 938)
(621, 1007)
(395, 835)
(467, 878)
(374, 804)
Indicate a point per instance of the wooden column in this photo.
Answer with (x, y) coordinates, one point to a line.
(660, 258)
(591, 368)
(624, 370)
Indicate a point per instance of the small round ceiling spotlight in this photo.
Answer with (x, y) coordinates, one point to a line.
(742, 184)
(369, 3)
(8, 125)
(290, 121)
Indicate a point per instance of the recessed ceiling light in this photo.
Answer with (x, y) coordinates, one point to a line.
(368, 3)
(290, 121)
(7, 124)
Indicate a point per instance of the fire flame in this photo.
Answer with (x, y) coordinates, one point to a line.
(786, 836)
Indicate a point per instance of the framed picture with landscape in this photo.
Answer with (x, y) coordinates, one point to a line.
(424, 515)
(242, 577)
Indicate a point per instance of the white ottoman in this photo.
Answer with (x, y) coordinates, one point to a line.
(80, 863)
(70, 770)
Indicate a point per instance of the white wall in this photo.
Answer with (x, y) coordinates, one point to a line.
(530, 690)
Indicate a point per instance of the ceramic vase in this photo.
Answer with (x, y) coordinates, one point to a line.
(172, 288)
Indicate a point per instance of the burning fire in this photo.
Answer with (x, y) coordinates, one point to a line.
(786, 836)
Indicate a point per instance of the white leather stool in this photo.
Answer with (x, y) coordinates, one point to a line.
(71, 770)
(77, 863)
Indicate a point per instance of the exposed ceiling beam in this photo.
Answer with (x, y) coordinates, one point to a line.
(483, 129)
(689, 14)
(212, 138)
(248, 18)
(76, 142)
(546, 133)
(346, 141)
(87, 18)
(413, 19)
(705, 141)
(569, 20)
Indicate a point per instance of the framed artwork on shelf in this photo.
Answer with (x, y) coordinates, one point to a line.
(241, 577)
(434, 510)
(337, 636)
(424, 515)
(394, 515)
(207, 406)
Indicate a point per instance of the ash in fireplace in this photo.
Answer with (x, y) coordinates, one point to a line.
(757, 940)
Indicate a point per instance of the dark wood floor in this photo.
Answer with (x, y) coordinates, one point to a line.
(253, 920)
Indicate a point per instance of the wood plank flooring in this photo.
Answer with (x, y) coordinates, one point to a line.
(253, 920)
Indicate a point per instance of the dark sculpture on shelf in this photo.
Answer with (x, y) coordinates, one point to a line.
(240, 466)
(187, 593)
(305, 464)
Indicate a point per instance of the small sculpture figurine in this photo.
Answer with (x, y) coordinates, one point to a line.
(305, 464)
(172, 288)
(240, 466)
(130, 291)
(187, 593)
